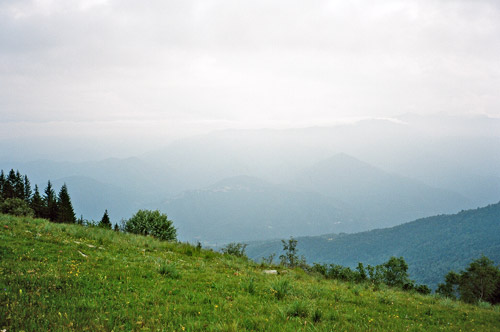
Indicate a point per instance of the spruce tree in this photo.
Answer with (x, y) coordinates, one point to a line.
(105, 222)
(27, 189)
(65, 212)
(8, 190)
(19, 186)
(2, 185)
(37, 204)
(50, 203)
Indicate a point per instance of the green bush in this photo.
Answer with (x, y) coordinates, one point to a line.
(235, 249)
(154, 223)
(16, 207)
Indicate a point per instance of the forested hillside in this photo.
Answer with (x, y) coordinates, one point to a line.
(431, 246)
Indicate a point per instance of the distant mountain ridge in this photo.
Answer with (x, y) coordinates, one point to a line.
(431, 246)
(386, 199)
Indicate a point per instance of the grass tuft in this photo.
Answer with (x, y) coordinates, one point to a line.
(281, 288)
(169, 270)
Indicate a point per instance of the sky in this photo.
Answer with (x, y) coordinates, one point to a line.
(158, 70)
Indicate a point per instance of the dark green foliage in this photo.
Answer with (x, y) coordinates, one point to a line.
(27, 189)
(54, 208)
(3, 180)
(37, 203)
(392, 273)
(105, 222)
(65, 212)
(235, 249)
(154, 223)
(16, 207)
(450, 287)
(9, 185)
(395, 272)
(422, 289)
(361, 272)
(289, 258)
(19, 186)
(50, 202)
(480, 282)
(116, 228)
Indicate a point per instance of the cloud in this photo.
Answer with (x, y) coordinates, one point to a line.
(240, 61)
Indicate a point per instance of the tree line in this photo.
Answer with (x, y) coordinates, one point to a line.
(478, 283)
(18, 198)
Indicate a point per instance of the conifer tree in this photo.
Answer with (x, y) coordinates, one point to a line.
(50, 203)
(27, 189)
(37, 203)
(105, 222)
(18, 186)
(2, 184)
(65, 212)
(8, 190)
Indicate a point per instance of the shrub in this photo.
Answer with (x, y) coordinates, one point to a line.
(16, 207)
(154, 223)
(423, 289)
(235, 249)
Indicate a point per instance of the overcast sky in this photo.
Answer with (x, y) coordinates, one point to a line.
(169, 68)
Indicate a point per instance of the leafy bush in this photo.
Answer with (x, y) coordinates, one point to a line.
(16, 207)
(235, 249)
(479, 282)
(154, 223)
(423, 289)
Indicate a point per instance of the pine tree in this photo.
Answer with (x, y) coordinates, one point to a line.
(19, 186)
(27, 189)
(37, 203)
(50, 203)
(105, 222)
(65, 212)
(2, 185)
(8, 189)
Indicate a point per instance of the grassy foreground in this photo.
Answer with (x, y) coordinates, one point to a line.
(57, 277)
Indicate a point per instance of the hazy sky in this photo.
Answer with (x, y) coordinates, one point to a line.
(166, 68)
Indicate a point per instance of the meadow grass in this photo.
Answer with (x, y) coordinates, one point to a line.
(72, 278)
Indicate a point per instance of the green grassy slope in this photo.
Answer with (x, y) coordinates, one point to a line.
(67, 277)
